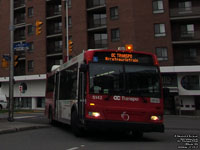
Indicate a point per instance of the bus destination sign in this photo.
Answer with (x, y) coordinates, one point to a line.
(123, 57)
(120, 57)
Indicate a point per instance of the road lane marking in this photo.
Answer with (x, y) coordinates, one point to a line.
(73, 148)
(23, 117)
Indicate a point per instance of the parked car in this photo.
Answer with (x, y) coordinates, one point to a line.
(3, 102)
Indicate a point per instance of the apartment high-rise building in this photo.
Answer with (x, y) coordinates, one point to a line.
(168, 28)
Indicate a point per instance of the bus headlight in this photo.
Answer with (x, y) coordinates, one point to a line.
(94, 114)
(155, 118)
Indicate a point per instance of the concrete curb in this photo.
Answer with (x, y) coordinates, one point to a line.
(18, 129)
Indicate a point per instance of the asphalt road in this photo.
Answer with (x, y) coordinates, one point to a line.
(182, 133)
(60, 138)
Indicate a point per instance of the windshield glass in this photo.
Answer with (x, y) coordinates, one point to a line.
(124, 79)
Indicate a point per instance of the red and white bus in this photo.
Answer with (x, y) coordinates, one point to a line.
(107, 89)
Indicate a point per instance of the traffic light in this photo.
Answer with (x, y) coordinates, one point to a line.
(70, 45)
(4, 63)
(16, 60)
(129, 47)
(38, 25)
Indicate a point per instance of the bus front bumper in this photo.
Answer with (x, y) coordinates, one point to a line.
(119, 125)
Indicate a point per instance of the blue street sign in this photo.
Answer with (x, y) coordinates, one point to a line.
(6, 57)
(21, 46)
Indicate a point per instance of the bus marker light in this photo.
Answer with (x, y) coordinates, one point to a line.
(92, 104)
(155, 118)
(94, 114)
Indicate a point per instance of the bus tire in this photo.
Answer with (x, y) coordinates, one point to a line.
(75, 125)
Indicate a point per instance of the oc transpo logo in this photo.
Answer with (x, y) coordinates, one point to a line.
(117, 98)
(125, 116)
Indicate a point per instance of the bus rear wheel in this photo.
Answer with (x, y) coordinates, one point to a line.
(75, 125)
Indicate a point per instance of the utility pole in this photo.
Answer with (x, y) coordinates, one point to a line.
(67, 30)
(11, 102)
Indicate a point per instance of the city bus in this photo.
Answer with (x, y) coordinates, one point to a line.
(111, 89)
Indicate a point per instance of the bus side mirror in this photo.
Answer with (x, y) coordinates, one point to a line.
(83, 67)
(165, 92)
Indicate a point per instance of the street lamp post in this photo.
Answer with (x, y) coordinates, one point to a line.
(67, 30)
(11, 102)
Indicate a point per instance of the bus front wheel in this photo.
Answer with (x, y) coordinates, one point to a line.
(75, 124)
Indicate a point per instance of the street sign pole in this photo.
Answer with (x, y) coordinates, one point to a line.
(11, 102)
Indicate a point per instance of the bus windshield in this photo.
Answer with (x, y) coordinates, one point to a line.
(124, 79)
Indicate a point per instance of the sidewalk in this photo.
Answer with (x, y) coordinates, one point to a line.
(17, 125)
(9, 127)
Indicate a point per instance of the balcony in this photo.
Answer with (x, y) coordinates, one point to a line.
(19, 4)
(19, 34)
(53, 49)
(186, 37)
(186, 54)
(19, 19)
(95, 4)
(186, 61)
(97, 23)
(56, 60)
(54, 11)
(54, 30)
(185, 13)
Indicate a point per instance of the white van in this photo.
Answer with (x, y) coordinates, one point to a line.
(3, 102)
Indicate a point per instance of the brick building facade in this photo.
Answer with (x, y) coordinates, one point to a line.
(168, 28)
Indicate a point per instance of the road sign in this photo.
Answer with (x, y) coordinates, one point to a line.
(21, 46)
(6, 57)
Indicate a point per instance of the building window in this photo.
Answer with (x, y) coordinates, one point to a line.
(31, 47)
(185, 5)
(58, 27)
(187, 30)
(160, 30)
(100, 40)
(30, 30)
(99, 20)
(190, 82)
(30, 11)
(190, 53)
(158, 6)
(161, 53)
(57, 9)
(115, 35)
(193, 52)
(69, 3)
(58, 46)
(70, 21)
(114, 14)
(30, 65)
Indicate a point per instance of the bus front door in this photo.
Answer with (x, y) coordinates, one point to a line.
(81, 96)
